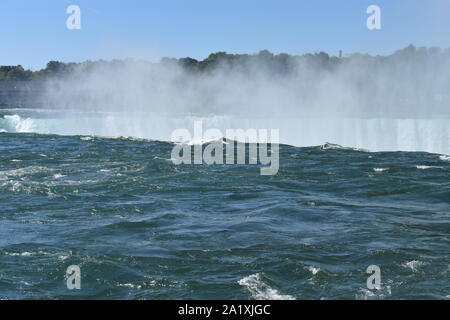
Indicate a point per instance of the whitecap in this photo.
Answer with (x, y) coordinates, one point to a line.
(130, 285)
(313, 270)
(428, 167)
(24, 171)
(333, 146)
(201, 141)
(380, 169)
(261, 290)
(414, 265)
(20, 254)
(366, 294)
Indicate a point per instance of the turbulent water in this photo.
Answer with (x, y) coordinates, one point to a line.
(374, 133)
(141, 227)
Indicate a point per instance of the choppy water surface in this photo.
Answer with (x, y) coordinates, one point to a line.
(141, 227)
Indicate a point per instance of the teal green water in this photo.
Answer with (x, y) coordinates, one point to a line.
(141, 227)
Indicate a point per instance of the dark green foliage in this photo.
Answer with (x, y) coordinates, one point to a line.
(14, 73)
(277, 64)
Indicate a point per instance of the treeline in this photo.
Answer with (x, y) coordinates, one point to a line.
(18, 73)
(278, 64)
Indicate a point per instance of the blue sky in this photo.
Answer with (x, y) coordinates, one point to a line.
(32, 32)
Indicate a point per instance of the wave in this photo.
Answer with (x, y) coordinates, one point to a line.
(380, 169)
(424, 167)
(374, 134)
(260, 290)
(414, 265)
(334, 146)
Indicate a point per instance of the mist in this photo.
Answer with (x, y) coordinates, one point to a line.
(380, 103)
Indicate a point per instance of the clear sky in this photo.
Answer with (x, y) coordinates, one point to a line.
(32, 32)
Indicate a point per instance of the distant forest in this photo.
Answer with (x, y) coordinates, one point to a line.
(279, 64)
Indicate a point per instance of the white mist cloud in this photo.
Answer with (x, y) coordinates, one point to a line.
(399, 102)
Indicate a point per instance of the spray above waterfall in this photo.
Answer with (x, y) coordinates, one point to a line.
(395, 102)
(411, 82)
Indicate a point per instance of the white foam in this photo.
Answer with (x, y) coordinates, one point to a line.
(366, 294)
(374, 134)
(20, 124)
(414, 265)
(130, 285)
(428, 167)
(260, 290)
(313, 270)
(21, 254)
(23, 171)
(60, 255)
(333, 146)
(380, 169)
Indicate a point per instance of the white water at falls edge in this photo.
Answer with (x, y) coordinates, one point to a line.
(374, 134)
